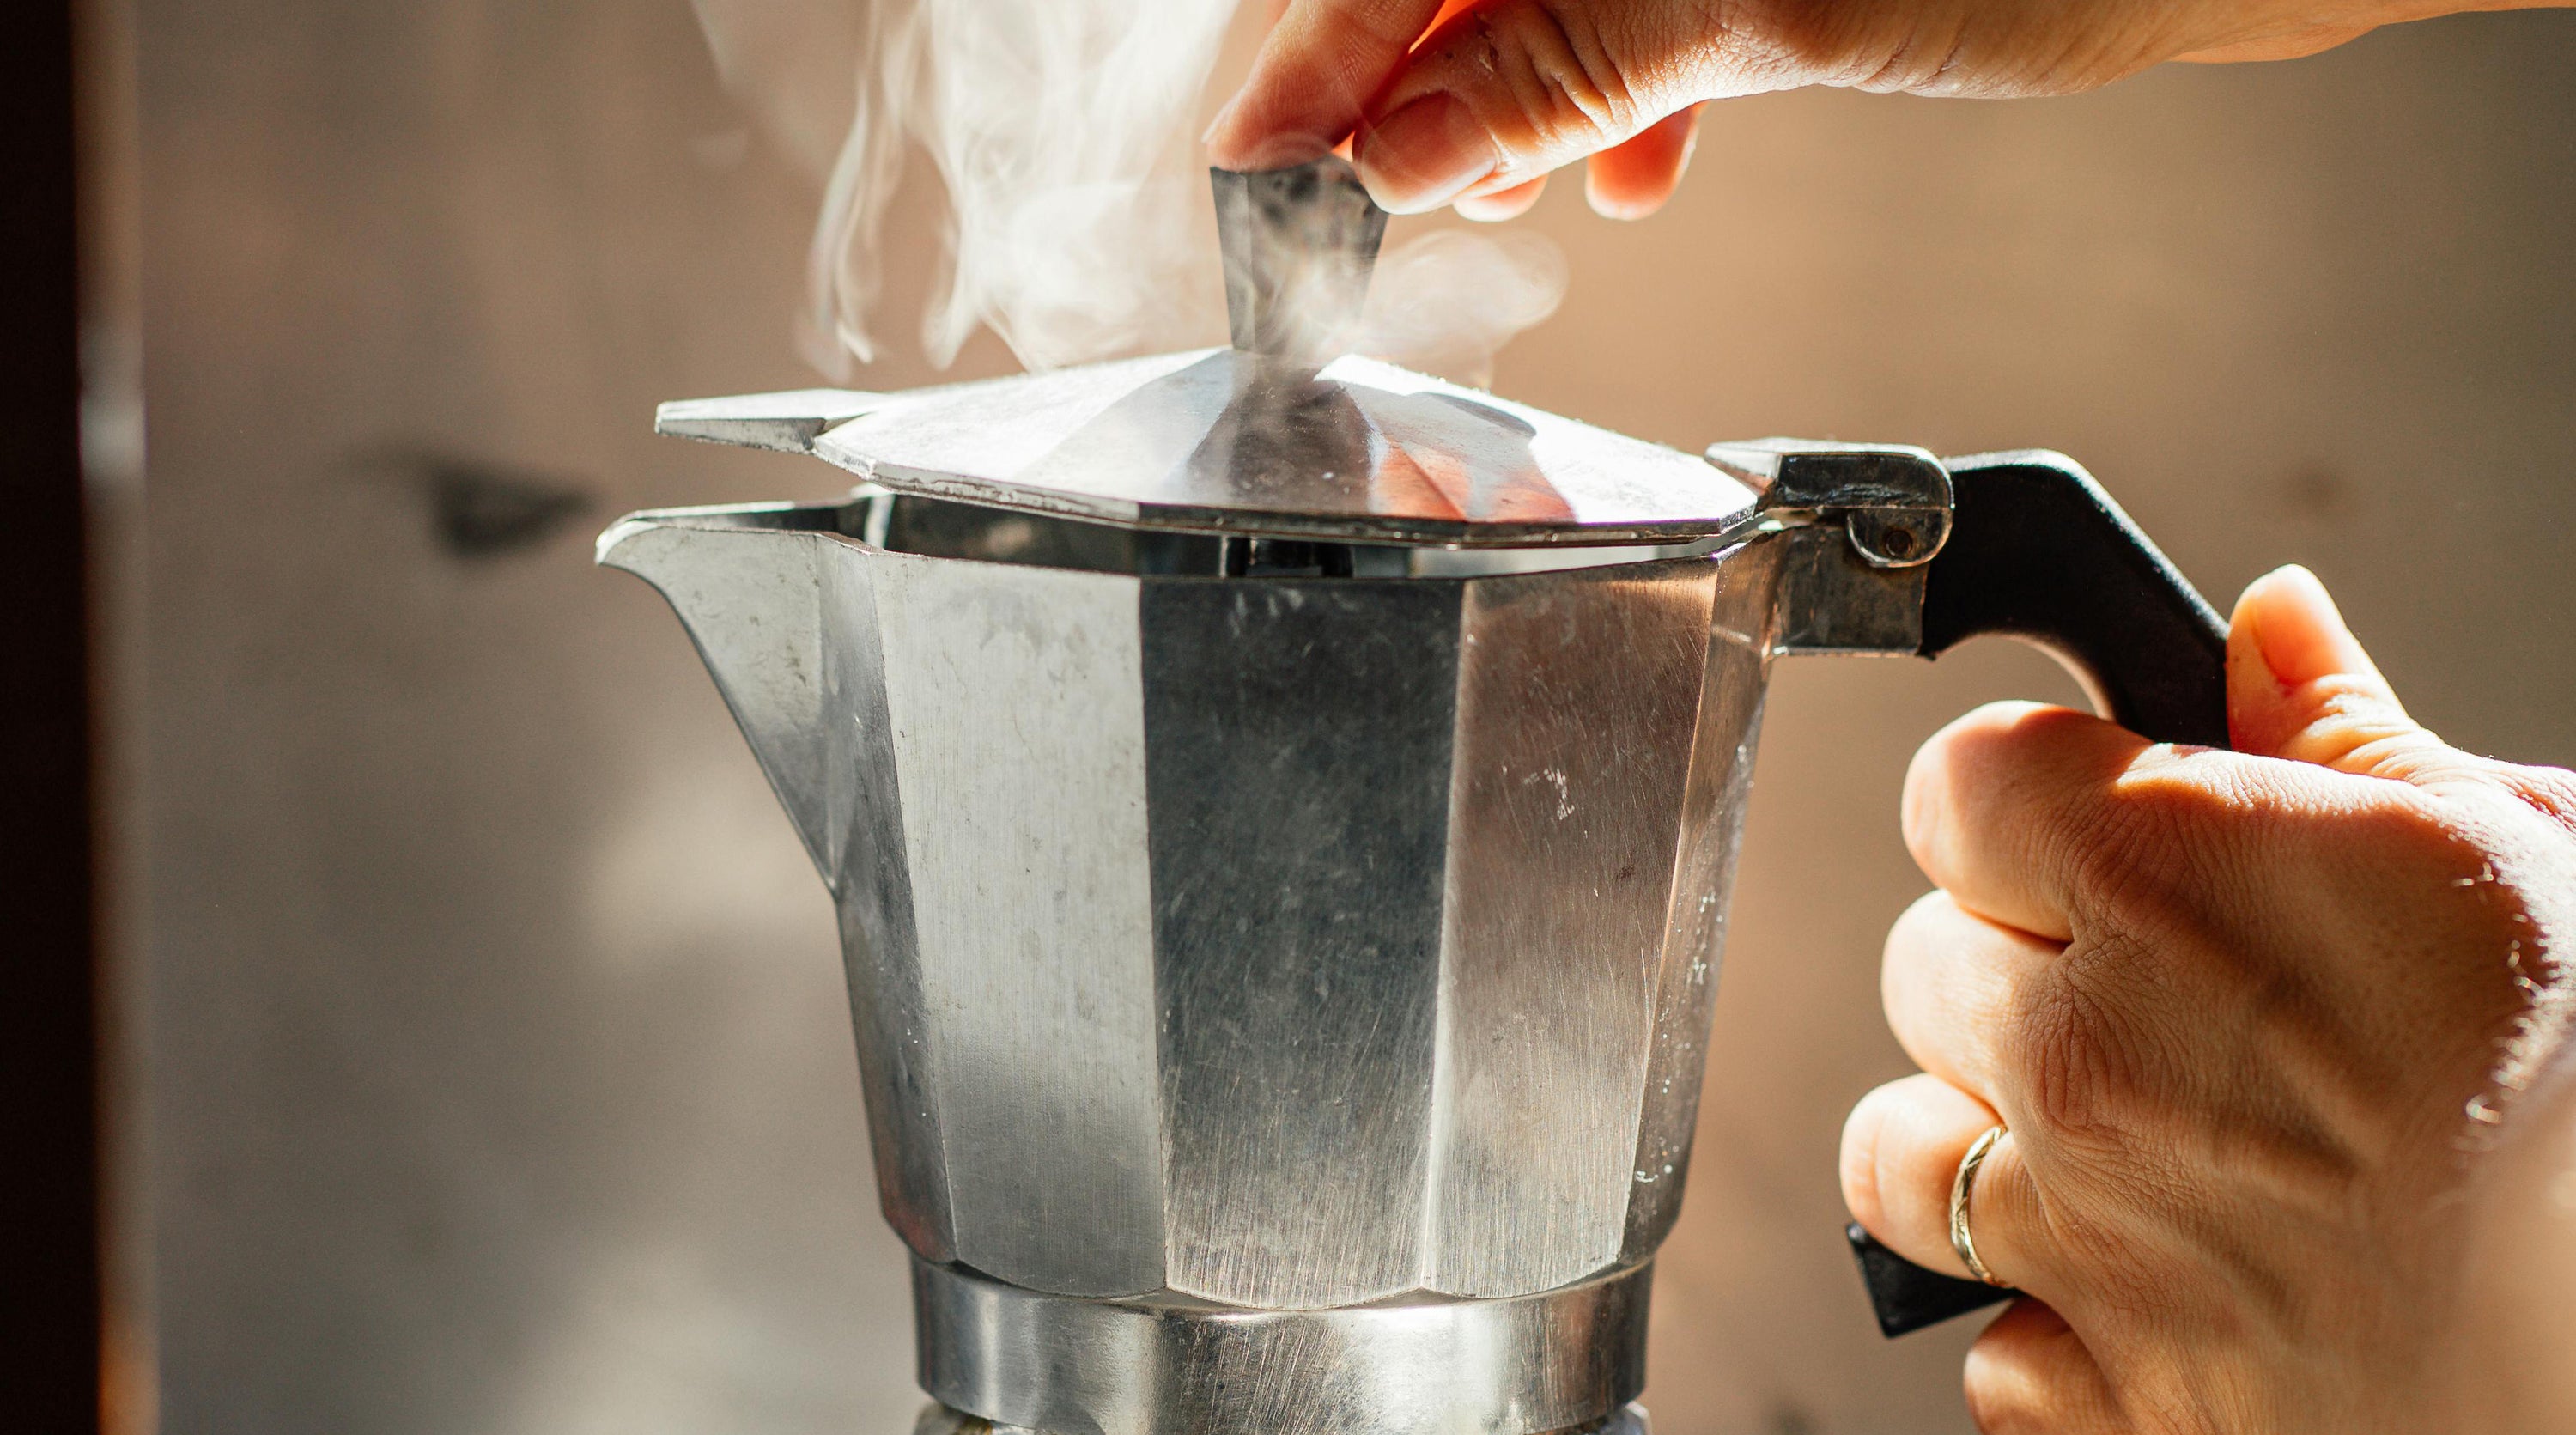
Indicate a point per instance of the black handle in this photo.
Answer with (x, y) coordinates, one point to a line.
(2039, 552)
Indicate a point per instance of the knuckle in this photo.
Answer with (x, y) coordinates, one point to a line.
(1913, 61)
(2082, 1070)
(1917, 932)
(1923, 808)
(2028, 1371)
(1817, 34)
(2549, 791)
(1558, 72)
(1864, 47)
(2142, 854)
(2123, 851)
(1392, 25)
(1964, 772)
(2007, 1392)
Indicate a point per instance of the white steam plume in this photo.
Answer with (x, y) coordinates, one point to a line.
(1445, 301)
(1078, 226)
(1061, 130)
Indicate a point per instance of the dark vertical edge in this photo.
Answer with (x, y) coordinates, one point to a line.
(871, 880)
(50, 1265)
(1233, 195)
(1298, 750)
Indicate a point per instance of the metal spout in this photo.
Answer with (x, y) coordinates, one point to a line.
(1299, 247)
(765, 591)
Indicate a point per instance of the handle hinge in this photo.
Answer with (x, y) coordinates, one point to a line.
(1865, 519)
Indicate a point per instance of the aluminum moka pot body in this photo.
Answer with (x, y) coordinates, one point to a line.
(1282, 970)
(1283, 942)
(1277, 943)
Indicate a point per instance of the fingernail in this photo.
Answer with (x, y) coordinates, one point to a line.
(1229, 148)
(1279, 151)
(1425, 155)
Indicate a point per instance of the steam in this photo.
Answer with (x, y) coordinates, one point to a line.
(1446, 301)
(1077, 208)
(1061, 130)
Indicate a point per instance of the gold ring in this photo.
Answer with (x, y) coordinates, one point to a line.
(1961, 1185)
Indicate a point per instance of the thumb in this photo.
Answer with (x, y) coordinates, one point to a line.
(1508, 90)
(2299, 686)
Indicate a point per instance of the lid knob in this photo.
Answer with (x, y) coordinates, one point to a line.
(1299, 245)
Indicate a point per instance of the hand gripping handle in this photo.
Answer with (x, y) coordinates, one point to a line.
(2037, 551)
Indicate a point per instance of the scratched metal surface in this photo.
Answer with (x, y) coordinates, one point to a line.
(1283, 943)
(1296, 815)
(1031, 897)
(1568, 828)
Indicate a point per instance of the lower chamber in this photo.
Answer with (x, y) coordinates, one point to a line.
(996, 1355)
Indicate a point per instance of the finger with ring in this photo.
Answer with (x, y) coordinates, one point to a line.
(1903, 1152)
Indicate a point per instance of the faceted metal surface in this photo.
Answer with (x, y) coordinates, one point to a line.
(1219, 440)
(1299, 245)
(1284, 943)
(938, 1419)
(1559, 1361)
(788, 422)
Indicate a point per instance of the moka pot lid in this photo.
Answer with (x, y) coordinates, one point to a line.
(1225, 441)
(1282, 433)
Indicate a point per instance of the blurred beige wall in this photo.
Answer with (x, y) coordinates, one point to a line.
(501, 1074)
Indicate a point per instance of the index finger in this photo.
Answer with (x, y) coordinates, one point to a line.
(1321, 65)
(2012, 809)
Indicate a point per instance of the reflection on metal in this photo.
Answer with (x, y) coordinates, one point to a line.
(1299, 245)
(1165, 895)
(1219, 440)
(1282, 991)
(1558, 1361)
(938, 1419)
